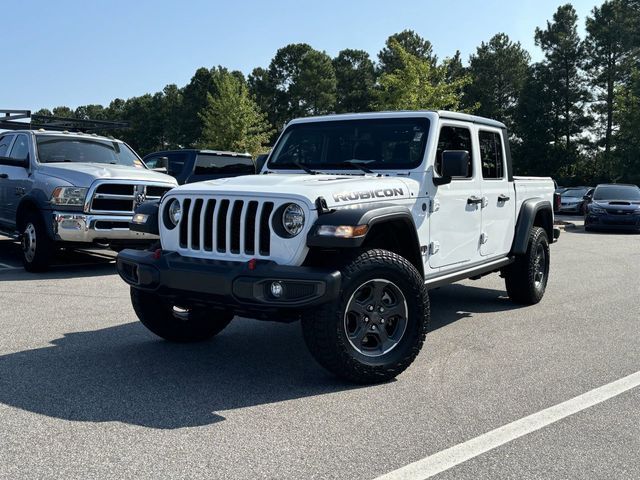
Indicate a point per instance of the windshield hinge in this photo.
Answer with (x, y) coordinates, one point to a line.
(321, 205)
(434, 205)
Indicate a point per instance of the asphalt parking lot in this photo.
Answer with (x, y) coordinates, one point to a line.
(88, 392)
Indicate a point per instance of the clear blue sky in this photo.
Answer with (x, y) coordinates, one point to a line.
(71, 52)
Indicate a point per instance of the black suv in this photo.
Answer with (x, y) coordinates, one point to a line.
(189, 166)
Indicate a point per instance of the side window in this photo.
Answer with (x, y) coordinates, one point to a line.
(491, 155)
(5, 141)
(20, 149)
(454, 138)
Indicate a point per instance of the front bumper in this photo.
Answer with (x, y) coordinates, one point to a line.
(613, 222)
(226, 283)
(85, 228)
(570, 208)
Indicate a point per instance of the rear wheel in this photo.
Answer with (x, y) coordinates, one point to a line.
(526, 279)
(376, 328)
(37, 246)
(175, 323)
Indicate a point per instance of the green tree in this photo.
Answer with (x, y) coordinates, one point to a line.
(416, 84)
(564, 59)
(627, 139)
(194, 99)
(388, 58)
(355, 80)
(300, 82)
(63, 111)
(231, 118)
(91, 112)
(611, 47)
(498, 70)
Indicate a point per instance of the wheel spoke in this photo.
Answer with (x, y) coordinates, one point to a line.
(395, 310)
(378, 292)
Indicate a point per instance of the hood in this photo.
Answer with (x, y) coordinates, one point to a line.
(84, 174)
(623, 205)
(337, 190)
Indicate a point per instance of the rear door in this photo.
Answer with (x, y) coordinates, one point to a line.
(456, 217)
(498, 197)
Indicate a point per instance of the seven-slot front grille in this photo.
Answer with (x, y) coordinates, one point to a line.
(123, 197)
(227, 226)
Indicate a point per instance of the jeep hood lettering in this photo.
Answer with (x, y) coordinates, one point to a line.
(337, 190)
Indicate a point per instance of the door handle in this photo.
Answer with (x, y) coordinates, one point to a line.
(473, 200)
(503, 198)
(4, 175)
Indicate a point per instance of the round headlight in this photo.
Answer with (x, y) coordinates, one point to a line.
(293, 219)
(175, 212)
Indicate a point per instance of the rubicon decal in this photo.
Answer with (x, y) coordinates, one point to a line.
(368, 194)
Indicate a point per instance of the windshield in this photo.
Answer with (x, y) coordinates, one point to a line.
(208, 164)
(575, 192)
(393, 143)
(617, 192)
(52, 149)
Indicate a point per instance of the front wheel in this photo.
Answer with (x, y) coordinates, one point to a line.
(377, 326)
(37, 246)
(526, 279)
(174, 323)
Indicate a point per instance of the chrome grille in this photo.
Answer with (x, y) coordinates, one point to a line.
(226, 226)
(123, 197)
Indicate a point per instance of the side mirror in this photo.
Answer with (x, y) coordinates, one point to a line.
(586, 197)
(455, 163)
(260, 161)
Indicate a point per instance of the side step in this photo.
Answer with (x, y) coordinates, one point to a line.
(472, 272)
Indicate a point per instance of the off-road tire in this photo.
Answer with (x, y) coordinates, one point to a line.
(325, 333)
(522, 278)
(194, 325)
(38, 248)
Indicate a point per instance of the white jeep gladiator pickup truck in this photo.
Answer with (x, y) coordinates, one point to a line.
(350, 223)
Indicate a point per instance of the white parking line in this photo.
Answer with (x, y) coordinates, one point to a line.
(4, 266)
(449, 458)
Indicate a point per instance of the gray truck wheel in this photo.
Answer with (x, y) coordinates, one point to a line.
(37, 246)
(377, 326)
(526, 279)
(176, 324)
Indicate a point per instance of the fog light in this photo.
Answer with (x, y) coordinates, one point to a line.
(277, 289)
(140, 218)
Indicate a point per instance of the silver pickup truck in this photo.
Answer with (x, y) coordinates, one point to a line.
(72, 190)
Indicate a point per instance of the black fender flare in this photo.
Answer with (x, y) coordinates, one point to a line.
(528, 212)
(368, 214)
(37, 201)
(150, 208)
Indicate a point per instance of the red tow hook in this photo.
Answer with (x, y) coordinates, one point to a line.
(252, 264)
(157, 254)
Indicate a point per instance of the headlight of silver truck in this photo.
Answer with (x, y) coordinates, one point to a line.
(293, 219)
(70, 196)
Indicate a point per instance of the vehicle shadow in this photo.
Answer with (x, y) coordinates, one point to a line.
(66, 264)
(457, 301)
(581, 231)
(125, 374)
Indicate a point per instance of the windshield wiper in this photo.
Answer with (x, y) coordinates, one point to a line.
(360, 164)
(304, 167)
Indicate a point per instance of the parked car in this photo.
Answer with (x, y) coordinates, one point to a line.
(72, 190)
(359, 216)
(613, 207)
(188, 166)
(572, 200)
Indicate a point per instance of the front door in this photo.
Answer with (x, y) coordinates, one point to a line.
(498, 211)
(456, 208)
(5, 169)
